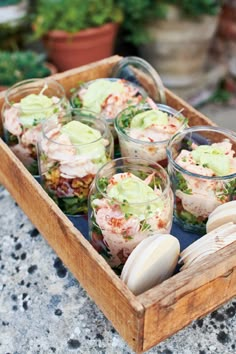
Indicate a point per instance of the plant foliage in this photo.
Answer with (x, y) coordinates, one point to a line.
(18, 66)
(73, 15)
(195, 8)
(138, 12)
(9, 2)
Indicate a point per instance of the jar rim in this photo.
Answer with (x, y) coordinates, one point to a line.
(137, 161)
(126, 64)
(86, 84)
(104, 134)
(43, 82)
(163, 108)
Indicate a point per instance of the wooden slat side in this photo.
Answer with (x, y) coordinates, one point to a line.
(194, 117)
(105, 288)
(71, 78)
(189, 295)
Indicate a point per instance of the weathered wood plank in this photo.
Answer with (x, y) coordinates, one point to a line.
(194, 117)
(189, 295)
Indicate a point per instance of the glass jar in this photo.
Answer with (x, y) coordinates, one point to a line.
(27, 104)
(129, 200)
(72, 149)
(131, 81)
(202, 169)
(144, 131)
(143, 74)
(116, 95)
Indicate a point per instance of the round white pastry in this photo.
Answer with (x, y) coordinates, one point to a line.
(151, 262)
(223, 214)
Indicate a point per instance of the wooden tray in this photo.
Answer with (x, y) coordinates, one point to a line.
(144, 320)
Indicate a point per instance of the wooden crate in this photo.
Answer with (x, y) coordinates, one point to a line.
(144, 320)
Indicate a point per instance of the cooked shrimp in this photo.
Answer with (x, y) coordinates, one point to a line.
(77, 167)
(12, 121)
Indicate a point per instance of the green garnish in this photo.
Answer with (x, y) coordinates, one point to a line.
(229, 190)
(77, 102)
(190, 218)
(72, 205)
(145, 226)
(182, 184)
(127, 115)
(102, 184)
(33, 168)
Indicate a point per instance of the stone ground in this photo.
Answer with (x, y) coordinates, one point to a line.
(222, 114)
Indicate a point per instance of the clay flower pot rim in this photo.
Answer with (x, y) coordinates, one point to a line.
(82, 33)
(53, 69)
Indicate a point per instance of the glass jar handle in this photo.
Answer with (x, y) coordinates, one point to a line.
(141, 73)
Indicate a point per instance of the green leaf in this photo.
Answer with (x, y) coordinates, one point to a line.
(182, 184)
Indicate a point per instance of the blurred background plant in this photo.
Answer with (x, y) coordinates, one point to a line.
(73, 16)
(17, 66)
(174, 36)
(139, 12)
(77, 32)
(25, 23)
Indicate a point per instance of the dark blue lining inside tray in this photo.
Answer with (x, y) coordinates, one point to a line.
(81, 223)
(185, 238)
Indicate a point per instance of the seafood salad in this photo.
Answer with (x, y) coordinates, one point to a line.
(107, 96)
(125, 209)
(22, 124)
(204, 186)
(69, 156)
(145, 130)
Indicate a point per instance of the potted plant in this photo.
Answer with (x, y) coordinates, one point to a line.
(22, 65)
(77, 32)
(176, 37)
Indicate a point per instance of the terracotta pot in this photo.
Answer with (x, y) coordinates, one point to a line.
(68, 51)
(227, 22)
(53, 69)
(3, 88)
(179, 48)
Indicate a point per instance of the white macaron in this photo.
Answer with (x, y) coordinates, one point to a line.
(151, 262)
(210, 243)
(223, 214)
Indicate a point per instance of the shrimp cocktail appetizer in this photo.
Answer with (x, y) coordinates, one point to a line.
(27, 104)
(130, 200)
(107, 97)
(144, 130)
(202, 168)
(71, 151)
